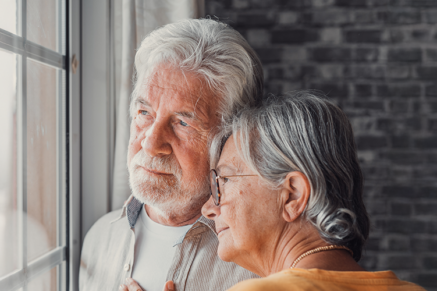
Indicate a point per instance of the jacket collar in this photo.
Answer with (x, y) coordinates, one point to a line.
(132, 208)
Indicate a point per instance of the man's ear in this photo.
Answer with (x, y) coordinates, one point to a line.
(295, 194)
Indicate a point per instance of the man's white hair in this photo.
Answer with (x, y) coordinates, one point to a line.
(211, 49)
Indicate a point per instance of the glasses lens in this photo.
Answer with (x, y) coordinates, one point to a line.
(214, 186)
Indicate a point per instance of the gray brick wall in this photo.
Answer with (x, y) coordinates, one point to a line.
(377, 59)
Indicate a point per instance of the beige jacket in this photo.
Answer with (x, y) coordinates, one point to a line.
(108, 255)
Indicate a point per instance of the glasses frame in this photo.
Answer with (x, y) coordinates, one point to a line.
(218, 196)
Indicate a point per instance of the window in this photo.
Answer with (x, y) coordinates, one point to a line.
(33, 145)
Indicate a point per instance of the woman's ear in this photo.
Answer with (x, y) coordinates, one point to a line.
(295, 194)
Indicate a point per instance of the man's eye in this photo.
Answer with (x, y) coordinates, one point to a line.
(144, 112)
(183, 123)
(225, 180)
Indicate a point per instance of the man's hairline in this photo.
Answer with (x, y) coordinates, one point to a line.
(140, 98)
(153, 71)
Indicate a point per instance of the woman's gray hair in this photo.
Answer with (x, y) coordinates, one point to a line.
(304, 132)
(211, 49)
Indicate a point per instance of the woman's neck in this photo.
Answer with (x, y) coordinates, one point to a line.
(292, 243)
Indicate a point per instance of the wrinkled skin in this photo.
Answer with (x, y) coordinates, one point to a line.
(168, 155)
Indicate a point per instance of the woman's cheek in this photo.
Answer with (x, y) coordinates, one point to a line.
(229, 214)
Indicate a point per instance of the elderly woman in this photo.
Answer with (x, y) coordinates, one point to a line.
(287, 199)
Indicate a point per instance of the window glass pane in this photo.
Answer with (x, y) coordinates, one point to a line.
(42, 22)
(44, 282)
(8, 15)
(41, 159)
(9, 228)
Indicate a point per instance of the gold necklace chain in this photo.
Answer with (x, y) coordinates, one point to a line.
(320, 249)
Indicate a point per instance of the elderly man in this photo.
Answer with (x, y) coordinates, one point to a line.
(191, 76)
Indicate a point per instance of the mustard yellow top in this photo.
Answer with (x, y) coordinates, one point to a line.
(316, 279)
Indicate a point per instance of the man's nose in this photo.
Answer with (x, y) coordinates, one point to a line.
(156, 140)
(210, 210)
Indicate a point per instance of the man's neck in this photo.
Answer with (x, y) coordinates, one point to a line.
(174, 219)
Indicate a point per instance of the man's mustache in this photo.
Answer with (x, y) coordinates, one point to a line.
(166, 164)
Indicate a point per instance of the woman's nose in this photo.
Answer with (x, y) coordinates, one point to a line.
(210, 210)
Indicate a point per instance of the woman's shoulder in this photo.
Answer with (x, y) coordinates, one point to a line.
(315, 279)
(278, 282)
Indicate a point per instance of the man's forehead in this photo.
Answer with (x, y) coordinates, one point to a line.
(155, 95)
(185, 90)
(167, 78)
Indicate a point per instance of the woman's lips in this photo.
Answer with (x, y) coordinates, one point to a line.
(220, 230)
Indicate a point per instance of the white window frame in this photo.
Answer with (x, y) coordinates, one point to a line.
(30, 50)
(69, 194)
(74, 51)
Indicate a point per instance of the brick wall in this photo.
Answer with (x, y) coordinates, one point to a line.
(377, 59)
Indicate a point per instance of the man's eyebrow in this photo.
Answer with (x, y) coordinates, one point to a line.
(187, 114)
(143, 102)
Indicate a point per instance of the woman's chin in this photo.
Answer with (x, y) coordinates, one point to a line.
(224, 251)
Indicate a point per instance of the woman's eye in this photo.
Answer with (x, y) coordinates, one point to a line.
(225, 179)
(144, 112)
(183, 123)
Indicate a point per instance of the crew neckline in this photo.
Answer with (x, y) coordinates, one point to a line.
(163, 231)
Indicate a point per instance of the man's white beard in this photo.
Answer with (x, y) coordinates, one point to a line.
(167, 193)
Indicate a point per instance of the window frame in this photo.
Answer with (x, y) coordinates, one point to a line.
(68, 146)
(74, 91)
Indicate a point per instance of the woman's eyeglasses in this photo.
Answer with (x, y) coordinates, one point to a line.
(215, 188)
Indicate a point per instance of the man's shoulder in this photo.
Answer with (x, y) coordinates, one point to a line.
(107, 219)
(104, 250)
(106, 226)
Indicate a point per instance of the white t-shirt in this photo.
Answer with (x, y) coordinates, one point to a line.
(154, 251)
